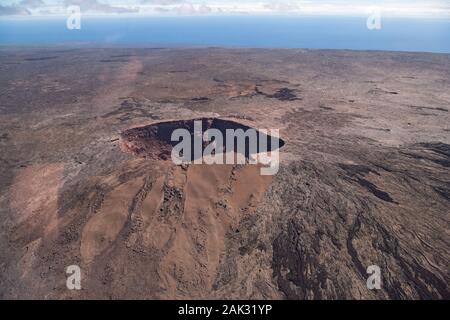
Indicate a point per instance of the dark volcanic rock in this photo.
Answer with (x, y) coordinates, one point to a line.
(364, 174)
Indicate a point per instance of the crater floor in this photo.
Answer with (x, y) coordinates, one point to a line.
(364, 175)
(157, 140)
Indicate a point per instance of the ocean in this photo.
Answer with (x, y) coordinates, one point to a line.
(396, 34)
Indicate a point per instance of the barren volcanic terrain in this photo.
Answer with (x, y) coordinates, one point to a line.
(364, 176)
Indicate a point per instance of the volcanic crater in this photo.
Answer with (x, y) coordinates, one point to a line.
(155, 141)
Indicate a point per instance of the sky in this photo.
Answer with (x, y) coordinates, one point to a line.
(402, 8)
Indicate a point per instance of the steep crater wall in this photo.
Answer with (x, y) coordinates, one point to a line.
(155, 141)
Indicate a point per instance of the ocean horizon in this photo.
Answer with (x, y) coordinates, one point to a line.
(321, 32)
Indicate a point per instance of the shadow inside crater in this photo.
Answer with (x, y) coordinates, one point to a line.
(155, 141)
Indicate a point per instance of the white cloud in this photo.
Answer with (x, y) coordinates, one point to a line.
(283, 6)
(231, 7)
(32, 4)
(100, 7)
(186, 9)
(14, 10)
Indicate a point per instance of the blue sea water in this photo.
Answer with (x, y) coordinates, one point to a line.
(396, 34)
